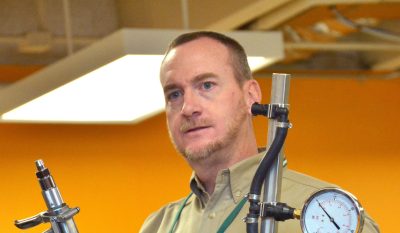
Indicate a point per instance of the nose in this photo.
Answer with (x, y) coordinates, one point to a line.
(191, 105)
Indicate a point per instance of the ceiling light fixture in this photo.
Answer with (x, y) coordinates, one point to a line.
(114, 80)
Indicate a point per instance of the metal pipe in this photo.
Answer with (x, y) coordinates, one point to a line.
(185, 14)
(54, 201)
(41, 15)
(273, 180)
(68, 30)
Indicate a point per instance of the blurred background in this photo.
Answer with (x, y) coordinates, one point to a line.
(344, 57)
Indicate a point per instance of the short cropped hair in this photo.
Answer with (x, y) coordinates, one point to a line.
(238, 55)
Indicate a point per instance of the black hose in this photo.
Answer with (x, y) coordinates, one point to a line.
(261, 173)
(260, 109)
(266, 163)
(252, 227)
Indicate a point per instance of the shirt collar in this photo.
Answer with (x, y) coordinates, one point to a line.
(198, 189)
(239, 176)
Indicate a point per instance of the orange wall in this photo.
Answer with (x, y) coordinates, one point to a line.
(345, 131)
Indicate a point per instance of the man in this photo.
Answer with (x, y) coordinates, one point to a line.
(209, 92)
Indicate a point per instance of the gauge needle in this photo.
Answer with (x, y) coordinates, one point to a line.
(330, 218)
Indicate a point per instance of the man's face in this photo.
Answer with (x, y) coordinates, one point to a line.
(205, 106)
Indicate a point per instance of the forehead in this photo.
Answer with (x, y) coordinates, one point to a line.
(202, 44)
(200, 55)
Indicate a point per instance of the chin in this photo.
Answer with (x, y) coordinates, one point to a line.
(202, 152)
(196, 155)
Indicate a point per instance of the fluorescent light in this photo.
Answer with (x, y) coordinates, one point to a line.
(257, 63)
(114, 80)
(115, 95)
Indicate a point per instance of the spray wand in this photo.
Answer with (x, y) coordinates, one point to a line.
(58, 214)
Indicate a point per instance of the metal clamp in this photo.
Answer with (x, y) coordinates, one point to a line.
(66, 213)
(280, 105)
(253, 197)
(250, 220)
(284, 125)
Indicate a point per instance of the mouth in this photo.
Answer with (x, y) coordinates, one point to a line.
(196, 129)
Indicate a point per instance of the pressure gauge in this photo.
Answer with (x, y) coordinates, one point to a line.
(332, 210)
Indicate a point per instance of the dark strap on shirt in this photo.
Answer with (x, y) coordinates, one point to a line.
(228, 221)
(178, 215)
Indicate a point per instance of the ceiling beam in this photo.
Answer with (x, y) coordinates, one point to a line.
(58, 40)
(246, 14)
(388, 64)
(221, 15)
(332, 74)
(342, 46)
(270, 20)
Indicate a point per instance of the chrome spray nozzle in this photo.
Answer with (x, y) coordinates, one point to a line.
(58, 214)
(40, 165)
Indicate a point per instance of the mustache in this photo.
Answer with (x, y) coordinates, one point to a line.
(191, 124)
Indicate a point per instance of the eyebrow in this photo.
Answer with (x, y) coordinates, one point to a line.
(203, 76)
(196, 79)
(169, 87)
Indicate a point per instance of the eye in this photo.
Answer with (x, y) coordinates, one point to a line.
(174, 95)
(208, 85)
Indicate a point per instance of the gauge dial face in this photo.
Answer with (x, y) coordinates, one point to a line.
(332, 211)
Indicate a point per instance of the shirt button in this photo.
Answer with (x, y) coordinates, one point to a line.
(238, 193)
(211, 216)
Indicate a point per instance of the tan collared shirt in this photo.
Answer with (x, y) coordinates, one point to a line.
(205, 213)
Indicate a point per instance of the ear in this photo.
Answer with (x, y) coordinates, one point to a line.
(252, 93)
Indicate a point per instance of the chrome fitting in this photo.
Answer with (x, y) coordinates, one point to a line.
(282, 105)
(270, 110)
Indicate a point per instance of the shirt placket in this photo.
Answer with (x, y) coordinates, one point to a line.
(214, 211)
